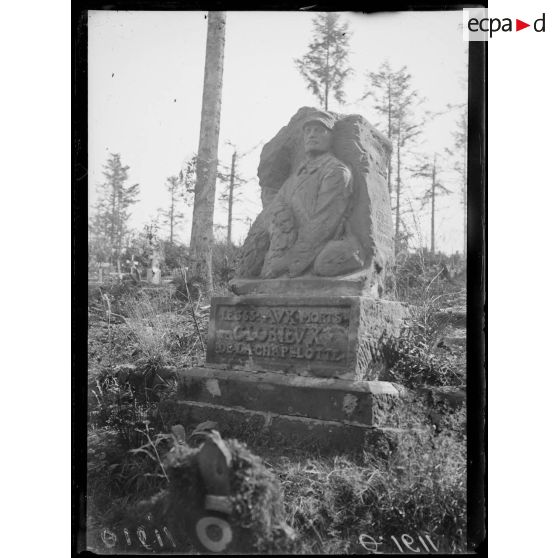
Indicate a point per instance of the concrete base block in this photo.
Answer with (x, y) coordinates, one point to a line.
(368, 403)
(287, 410)
(280, 430)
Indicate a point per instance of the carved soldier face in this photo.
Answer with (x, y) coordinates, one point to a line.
(317, 138)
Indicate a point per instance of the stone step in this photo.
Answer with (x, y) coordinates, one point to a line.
(326, 286)
(368, 403)
(278, 430)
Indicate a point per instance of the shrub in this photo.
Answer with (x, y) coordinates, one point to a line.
(118, 478)
(412, 361)
(416, 277)
(121, 408)
(151, 323)
(164, 335)
(225, 261)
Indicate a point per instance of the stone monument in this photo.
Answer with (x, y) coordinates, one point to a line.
(297, 351)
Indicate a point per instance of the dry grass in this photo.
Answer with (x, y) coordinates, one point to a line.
(419, 490)
(163, 331)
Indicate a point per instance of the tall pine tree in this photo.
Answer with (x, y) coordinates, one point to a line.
(324, 67)
(430, 169)
(459, 155)
(108, 225)
(396, 102)
(173, 216)
(231, 177)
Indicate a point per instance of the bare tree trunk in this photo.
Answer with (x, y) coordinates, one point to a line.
(172, 218)
(398, 196)
(327, 71)
(119, 229)
(389, 136)
(206, 167)
(464, 199)
(112, 222)
(432, 237)
(231, 200)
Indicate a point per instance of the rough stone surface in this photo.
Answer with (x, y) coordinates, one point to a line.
(356, 285)
(365, 403)
(379, 321)
(331, 220)
(335, 337)
(279, 430)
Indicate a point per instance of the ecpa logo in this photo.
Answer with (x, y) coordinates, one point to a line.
(477, 26)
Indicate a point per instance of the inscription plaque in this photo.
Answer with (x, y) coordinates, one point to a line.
(295, 334)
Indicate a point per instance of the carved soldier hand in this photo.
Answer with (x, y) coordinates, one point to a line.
(297, 267)
(275, 267)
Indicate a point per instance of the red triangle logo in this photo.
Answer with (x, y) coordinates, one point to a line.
(519, 25)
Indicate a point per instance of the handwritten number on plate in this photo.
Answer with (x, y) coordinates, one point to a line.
(143, 537)
(369, 544)
(408, 541)
(109, 538)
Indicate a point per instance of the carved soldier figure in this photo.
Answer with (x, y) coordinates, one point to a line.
(305, 228)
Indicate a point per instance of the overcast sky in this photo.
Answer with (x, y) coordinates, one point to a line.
(145, 90)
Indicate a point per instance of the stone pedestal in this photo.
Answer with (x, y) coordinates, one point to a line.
(360, 402)
(297, 353)
(325, 415)
(322, 336)
(300, 369)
